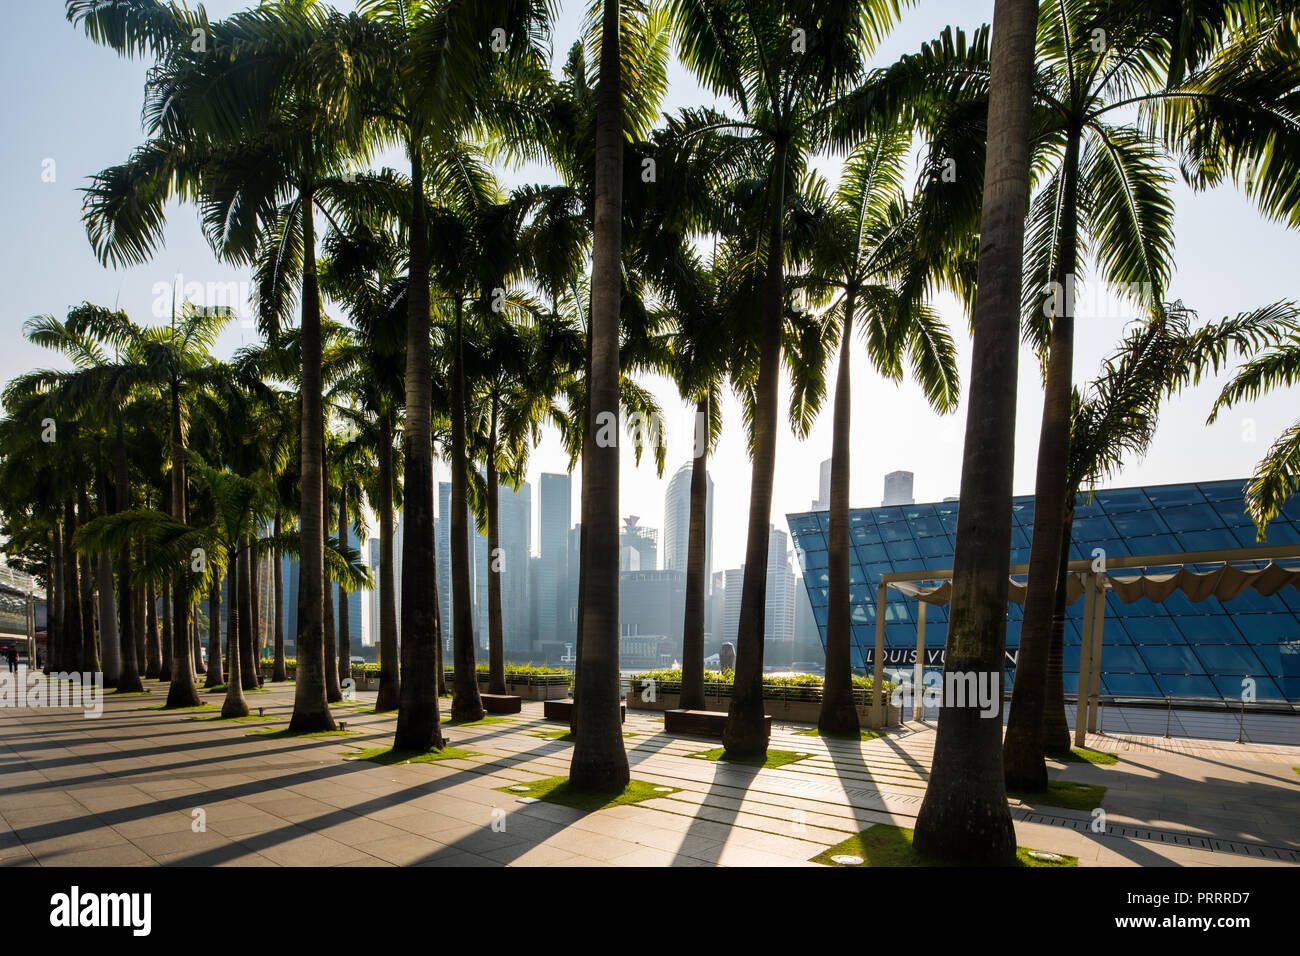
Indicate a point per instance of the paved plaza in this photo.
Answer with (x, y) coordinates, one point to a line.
(123, 790)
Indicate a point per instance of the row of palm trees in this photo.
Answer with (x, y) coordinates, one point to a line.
(716, 255)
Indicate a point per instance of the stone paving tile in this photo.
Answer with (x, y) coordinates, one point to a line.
(125, 787)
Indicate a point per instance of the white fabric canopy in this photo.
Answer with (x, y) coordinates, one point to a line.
(1224, 583)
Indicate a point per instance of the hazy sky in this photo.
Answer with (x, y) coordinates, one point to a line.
(71, 108)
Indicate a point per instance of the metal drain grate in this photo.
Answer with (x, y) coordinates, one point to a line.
(1261, 850)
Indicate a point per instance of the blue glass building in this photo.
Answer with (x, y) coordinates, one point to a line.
(1174, 648)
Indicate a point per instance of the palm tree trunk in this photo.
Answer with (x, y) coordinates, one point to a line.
(333, 693)
(235, 704)
(214, 675)
(165, 671)
(746, 731)
(599, 760)
(575, 711)
(344, 665)
(465, 702)
(1022, 750)
(244, 610)
(70, 646)
(278, 670)
(311, 711)
(838, 713)
(1056, 731)
(55, 614)
(418, 724)
(153, 642)
(182, 692)
(89, 646)
(128, 681)
(496, 642)
(110, 642)
(255, 613)
(389, 674)
(964, 817)
(692, 695)
(141, 631)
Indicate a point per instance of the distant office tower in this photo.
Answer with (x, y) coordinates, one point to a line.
(554, 518)
(735, 578)
(778, 618)
(677, 523)
(289, 571)
(652, 603)
(898, 489)
(371, 634)
(716, 603)
(637, 546)
(568, 628)
(442, 554)
(515, 539)
(805, 625)
(823, 502)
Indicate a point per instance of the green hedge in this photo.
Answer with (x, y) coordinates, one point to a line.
(783, 687)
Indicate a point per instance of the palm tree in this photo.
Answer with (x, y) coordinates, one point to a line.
(1107, 194)
(964, 815)
(260, 126)
(871, 251)
(786, 70)
(1116, 417)
(438, 80)
(599, 761)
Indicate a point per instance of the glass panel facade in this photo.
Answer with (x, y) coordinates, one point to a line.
(1177, 648)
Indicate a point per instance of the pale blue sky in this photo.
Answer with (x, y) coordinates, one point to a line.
(77, 104)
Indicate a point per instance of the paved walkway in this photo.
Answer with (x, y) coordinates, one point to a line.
(123, 790)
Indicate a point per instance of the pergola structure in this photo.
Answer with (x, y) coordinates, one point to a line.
(1086, 579)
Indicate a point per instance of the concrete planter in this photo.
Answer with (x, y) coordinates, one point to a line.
(781, 708)
(540, 689)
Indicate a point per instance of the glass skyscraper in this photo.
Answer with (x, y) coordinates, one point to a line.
(1175, 648)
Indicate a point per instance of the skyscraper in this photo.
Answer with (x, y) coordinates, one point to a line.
(898, 489)
(823, 502)
(731, 604)
(677, 523)
(778, 619)
(555, 498)
(442, 552)
(371, 636)
(637, 546)
(515, 539)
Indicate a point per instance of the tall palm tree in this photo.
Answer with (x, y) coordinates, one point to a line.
(1106, 194)
(260, 127)
(1116, 417)
(786, 70)
(964, 815)
(873, 255)
(440, 78)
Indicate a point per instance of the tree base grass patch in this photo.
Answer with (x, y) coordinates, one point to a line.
(249, 718)
(862, 734)
(183, 709)
(557, 790)
(886, 845)
(487, 719)
(387, 756)
(774, 758)
(1064, 793)
(1086, 755)
(287, 733)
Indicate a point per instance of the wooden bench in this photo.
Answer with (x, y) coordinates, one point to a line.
(502, 703)
(562, 710)
(701, 723)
